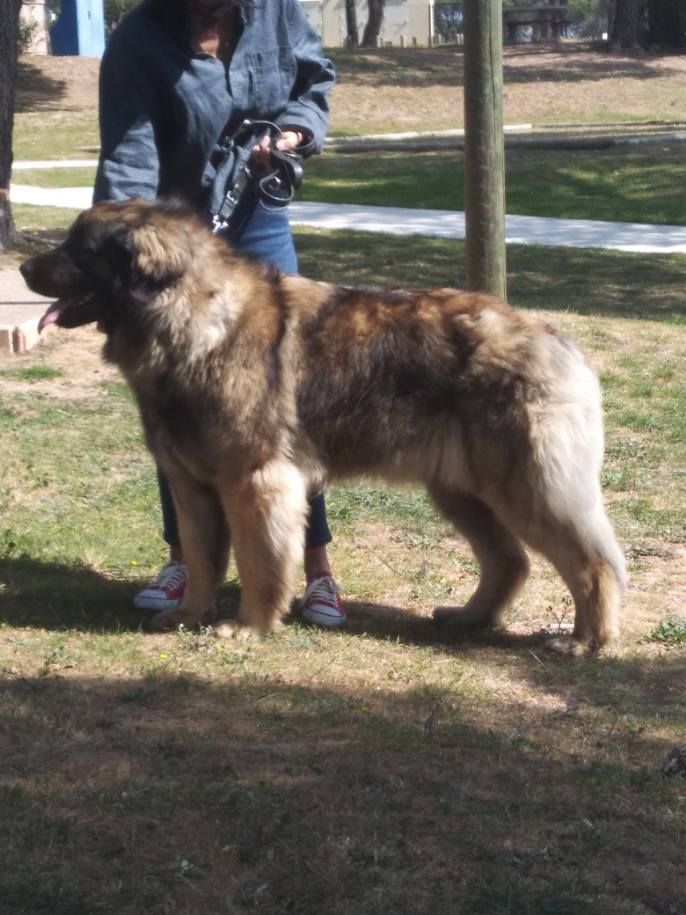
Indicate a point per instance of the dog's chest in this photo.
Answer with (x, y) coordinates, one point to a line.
(207, 424)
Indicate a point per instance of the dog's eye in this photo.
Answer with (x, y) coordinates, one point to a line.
(100, 259)
(99, 267)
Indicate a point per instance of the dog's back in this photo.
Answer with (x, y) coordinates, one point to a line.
(385, 372)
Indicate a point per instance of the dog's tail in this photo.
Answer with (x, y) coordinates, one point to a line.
(572, 528)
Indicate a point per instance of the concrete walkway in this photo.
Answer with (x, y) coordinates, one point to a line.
(641, 238)
(20, 309)
(519, 230)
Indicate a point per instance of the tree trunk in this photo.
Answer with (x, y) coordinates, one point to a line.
(624, 30)
(484, 148)
(667, 24)
(353, 35)
(9, 31)
(372, 29)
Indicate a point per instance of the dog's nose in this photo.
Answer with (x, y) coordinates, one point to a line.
(25, 269)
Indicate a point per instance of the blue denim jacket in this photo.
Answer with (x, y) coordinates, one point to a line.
(163, 106)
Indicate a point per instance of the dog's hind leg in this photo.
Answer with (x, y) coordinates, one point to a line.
(205, 542)
(582, 547)
(267, 519)
(503, 563)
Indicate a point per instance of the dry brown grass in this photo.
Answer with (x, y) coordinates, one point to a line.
(421, 89)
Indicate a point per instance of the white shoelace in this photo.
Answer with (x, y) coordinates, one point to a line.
(171, 576)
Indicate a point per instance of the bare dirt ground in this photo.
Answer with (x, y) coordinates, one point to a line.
(75, 354)
(57, 83)
(568, 83)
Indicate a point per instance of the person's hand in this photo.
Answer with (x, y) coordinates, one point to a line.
(289, 139)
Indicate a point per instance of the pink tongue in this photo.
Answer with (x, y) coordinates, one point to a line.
(50, 316)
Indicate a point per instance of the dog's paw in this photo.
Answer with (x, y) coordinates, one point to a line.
(233, 630)
(168, 620)
(569, 647)
(162, 622)
(211, 616)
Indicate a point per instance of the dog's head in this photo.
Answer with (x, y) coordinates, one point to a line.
(116, 256)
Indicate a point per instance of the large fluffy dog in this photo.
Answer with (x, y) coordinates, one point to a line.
(254, 386)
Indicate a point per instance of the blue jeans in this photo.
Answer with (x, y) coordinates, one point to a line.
(267, 235)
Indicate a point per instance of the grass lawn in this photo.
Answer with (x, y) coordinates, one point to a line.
(56, 135)
(55, 177)
(375, 770)
(623, 184)
(382, 769)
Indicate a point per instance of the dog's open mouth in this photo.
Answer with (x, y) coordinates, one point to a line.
(71, 312)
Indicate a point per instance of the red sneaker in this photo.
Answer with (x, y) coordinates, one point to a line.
(322, 604)
(166, 592)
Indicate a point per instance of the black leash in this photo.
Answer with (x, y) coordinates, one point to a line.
(248, 183)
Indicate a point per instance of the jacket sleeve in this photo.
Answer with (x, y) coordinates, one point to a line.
(129, 159)
(308, 105)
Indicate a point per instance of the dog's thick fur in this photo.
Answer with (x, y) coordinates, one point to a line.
(255, 387)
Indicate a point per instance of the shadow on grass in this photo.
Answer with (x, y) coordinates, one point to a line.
(396, 624)
(414, 67)
(444, 66)
(35, 594)
(55, 597)
(652, 688)
(59, 597)
(586, 281)
(49, 596)
(579, 63)
(172, 794)
(36, 90)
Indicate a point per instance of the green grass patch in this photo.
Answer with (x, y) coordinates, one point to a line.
(31, 373)
(583, 281)
(671, 630)
(622, 184)
(36, 220)
(40, 135)
(55, 177)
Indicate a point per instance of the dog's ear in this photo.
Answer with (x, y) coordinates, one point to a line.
(161, 249)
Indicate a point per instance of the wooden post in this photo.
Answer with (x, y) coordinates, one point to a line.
(484, 149)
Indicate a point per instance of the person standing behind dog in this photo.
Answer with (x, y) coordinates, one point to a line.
(176, 76)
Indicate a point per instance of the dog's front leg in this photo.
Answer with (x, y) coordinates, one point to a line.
(267, 519)
(205, 541)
